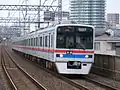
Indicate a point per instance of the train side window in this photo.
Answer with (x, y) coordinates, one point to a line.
(32, 41)
(36, 41)
(23, 42)
(26, 42)
(49, 40)
(29, 42)
(41, 41)
(52, 40)
(45, 41)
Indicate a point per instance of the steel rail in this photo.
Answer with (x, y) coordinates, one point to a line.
(79, 86)
(40, 86)
(13, 86)
(108, 87)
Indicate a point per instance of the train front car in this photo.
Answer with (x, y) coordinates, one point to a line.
(74, 49)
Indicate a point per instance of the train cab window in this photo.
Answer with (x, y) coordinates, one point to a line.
(77, 37)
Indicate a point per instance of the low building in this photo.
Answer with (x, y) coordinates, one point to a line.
(107, 45)
(113, 18)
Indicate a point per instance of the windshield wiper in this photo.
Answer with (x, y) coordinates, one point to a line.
(82, 47)
(70, 46)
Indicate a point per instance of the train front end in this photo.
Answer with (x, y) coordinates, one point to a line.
(74, 52)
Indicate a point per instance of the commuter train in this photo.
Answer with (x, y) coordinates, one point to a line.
(67, 47)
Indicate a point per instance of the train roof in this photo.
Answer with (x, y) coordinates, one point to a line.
(55, 26)
(75, 25)
(36, 33)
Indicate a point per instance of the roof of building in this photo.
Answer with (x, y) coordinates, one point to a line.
(107, 37)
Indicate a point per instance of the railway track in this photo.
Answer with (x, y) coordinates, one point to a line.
(77, 82)
(106, 86)
(17, 77)
(92, 83)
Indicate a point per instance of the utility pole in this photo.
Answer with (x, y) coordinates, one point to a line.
(19, 21)
(25, 17)
(39, 13)
(59, 11)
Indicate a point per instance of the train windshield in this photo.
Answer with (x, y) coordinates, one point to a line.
(74, 37)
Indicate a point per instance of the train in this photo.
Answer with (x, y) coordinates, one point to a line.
(67, 48)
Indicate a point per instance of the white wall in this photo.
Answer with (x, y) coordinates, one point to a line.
(105, 48)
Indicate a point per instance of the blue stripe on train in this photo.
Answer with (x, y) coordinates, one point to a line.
(73, 56)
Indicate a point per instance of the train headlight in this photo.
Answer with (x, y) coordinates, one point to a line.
(71, 52)
(86, 56)
(61, 55)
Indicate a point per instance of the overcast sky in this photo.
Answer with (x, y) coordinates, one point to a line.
(112, 6)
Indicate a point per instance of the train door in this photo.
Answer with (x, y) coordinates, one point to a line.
(43, 46)
(51, 46)
(46, 46)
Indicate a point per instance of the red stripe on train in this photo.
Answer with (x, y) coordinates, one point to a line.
(57, 51)
(74, 51)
